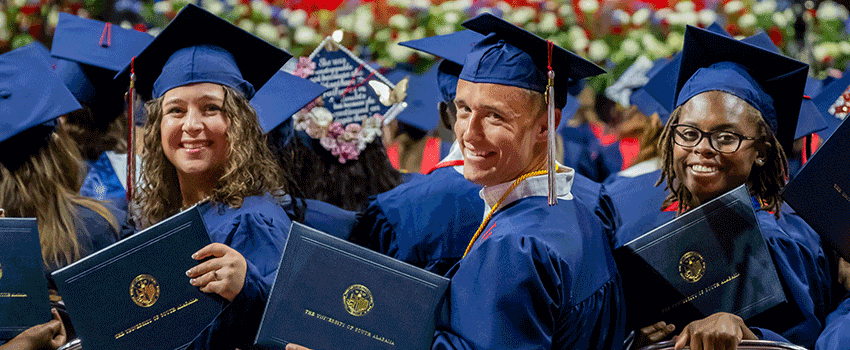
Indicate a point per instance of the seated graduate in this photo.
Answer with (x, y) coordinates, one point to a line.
(204, 145)
(427, 221)
(534, 275)
(338, 159)
(41, 177)
(280, 98)
(734, 116)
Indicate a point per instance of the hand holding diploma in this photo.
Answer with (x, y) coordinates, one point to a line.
(224, 274)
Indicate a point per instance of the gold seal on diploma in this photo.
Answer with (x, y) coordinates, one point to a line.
(691, 266)
(1, 271)
(358, 300)
(144, 290)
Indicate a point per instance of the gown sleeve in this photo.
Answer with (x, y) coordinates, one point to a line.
(836, 333)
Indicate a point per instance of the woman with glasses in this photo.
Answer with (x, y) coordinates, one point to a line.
(734, 116)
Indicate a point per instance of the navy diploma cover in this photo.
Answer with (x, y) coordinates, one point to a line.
(134, 294)
(333, 294)
(710, 259)
(23, 287)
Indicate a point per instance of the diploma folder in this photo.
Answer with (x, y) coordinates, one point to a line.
(707, 260)
(23, 287)
(820, 192)
(134, 294)
(333, 294)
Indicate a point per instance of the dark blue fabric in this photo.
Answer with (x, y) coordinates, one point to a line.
(732, 78)
(325, 217)
(201, 64)
(103, 184)
(836, 333)
(493, 60)
(583, 152)
(93, 233)
(798, 262)
(634, 197)
(543, 278)
(258, 230)
(426, 222)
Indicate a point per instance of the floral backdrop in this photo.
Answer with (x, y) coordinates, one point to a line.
(612, 33)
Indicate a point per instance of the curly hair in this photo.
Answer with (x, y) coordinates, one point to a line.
(45, 184)
(766, 182)
(251, 167)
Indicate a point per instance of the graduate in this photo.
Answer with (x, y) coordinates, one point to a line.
(87, 54)
(534, 276)
(736, 109)
(40, 178)
(427, 221)
(204, 146)
(836, 332)
(280, 98)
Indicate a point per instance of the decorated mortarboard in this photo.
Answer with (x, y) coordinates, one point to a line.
(770, 82)
(31, 98)
(283, 96)
(511, 56)
(644, 101)
(834, 104)
(358, 102)
(453, 48)
(634, 77)
(199, 47)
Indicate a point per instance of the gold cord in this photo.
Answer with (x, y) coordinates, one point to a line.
(498, 203)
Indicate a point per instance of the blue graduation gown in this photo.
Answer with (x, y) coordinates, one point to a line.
(324, 217)
(796, 264)
(836, 333)
(634, 197)
(584, 153)
(540, 277)
(258, 230)
(102, 183)
(426, 222)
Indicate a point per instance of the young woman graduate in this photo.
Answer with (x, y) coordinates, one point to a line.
(736, 110)
(204, 145)
(41, 177)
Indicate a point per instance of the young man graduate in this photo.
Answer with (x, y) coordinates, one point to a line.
(535, 275)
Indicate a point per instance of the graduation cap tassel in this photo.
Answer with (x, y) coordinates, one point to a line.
(550, 100)
(131, 144)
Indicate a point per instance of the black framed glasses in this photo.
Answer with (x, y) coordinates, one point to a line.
(720, 141)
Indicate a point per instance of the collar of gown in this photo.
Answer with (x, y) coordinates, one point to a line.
(532, 186)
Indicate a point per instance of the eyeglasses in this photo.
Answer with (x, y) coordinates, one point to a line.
(720, 141)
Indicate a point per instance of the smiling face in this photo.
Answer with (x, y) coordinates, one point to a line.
(705, 172)
(501, 131)
(194, 130)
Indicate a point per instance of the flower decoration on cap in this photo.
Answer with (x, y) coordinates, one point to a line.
(357, 103)
(841, 106)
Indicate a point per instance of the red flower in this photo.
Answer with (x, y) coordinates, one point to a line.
(775, 35)
(617, 30)
(140, 27)
(733, 29)
(29, 9)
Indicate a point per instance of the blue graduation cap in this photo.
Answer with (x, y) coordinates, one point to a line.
(453, 48)
(281, 97)
(422, 100)
(512, 56)
(88, 53)
(197, 47)
(770, 82)
(834, 104)
(644, 101)
(31, 98)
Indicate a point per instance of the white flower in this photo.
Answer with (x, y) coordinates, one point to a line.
(820, 53)
(521, 15)
(418, 33)
(747, 20)
(690, 18)
(240, 9)
(565, 10)
(451, 17)
(444, 29)
(845, 47)
(246, 25)
(548, 23)
(399, 21)
(267, 32)
(322, 117)
(641, 16)
(630, 48)
(162, 7)
(733, 6)
(383, 35)
(580, 44)
(260, 6)
(20, 3)
(215, 7)
(764, 6)
(397, 52)
(305, 35)
(829, 10)
(598, 50)
(154, 31)
(3, 21)
(621, 16)
(707, 17)
(345, 22)
(588, 6)
(576, 33)
(503, 6)
(297, 18)
(779, 19)
(4, 33)
(52, 18)
(363, 21)
(675, 40)
(685, 6)
(674, 18)
(284, 43)
(651, 44)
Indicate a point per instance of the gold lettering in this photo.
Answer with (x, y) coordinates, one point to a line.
(308, 312)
